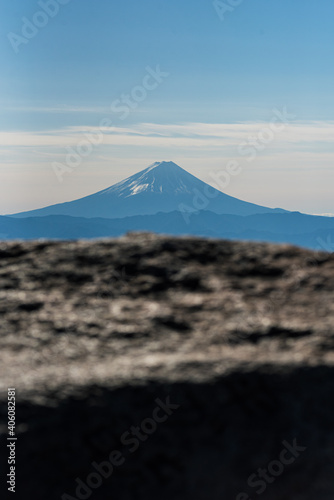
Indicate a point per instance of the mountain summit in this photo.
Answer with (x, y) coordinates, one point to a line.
(160, 177)
(161, 187)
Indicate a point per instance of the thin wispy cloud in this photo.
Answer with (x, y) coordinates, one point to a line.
(295, 166)
(182, 135)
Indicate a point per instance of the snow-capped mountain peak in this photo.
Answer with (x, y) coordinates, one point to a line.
(160, 177)
(161, 187)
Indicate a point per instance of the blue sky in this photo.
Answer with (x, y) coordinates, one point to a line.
(263, 55)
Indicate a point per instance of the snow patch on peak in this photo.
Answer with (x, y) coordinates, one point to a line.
(160, 177)
(138, 188)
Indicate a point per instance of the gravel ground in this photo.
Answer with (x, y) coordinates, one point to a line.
(219, 353)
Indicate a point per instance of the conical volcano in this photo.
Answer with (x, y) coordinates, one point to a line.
(161, 187)
(160, 177)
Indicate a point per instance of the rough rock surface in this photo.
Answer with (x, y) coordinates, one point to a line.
(97, 336)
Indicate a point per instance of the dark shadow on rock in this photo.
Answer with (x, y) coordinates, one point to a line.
(222, 433)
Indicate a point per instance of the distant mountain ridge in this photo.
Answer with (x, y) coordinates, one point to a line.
(164, 198)
(161, 187)
(299, 229)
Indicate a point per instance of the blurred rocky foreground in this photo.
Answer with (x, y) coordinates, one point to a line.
(151, 367)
